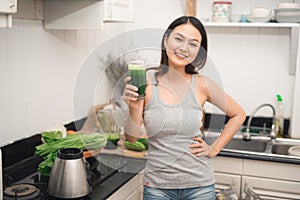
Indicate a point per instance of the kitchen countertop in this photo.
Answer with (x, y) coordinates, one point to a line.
(128, 167)
(120, 178)
(260, 156)
(111, 185)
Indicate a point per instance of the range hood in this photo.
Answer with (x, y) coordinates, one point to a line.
(85, 14)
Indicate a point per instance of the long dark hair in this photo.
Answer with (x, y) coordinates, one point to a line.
(201, 57)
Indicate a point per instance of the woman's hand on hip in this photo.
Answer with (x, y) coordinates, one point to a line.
(201, 148)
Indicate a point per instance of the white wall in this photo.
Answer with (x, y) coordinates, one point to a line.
(253, 64)
(39, 68)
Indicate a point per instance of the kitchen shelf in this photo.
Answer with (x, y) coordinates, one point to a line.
(294, 36)
(236, 24)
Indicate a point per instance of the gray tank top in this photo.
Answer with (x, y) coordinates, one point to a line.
(170, 129)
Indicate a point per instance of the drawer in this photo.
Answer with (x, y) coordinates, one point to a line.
(274, 170)
(228, 165)
(272, 188)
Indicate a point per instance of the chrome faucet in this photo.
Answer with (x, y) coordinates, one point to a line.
(247, 135)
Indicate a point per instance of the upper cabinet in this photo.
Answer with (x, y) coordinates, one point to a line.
(118, 11)
(85, 14)
(7, 8)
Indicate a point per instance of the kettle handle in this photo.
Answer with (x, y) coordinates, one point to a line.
(90, 174)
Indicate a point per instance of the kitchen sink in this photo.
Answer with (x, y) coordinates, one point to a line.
(281, 149)
(282, 145)
(257, 144)
(242, 145)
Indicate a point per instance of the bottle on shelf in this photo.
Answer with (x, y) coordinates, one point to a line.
(279, 116)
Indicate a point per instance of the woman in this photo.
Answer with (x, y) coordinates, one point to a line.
(178, 165)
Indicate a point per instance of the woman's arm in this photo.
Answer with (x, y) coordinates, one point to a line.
(236, 114)
(218, 97)
(134, 120)
(133, 124)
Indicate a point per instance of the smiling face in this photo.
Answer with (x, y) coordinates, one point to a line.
(182, 45)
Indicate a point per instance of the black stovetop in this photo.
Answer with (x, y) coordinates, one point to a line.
(34, 186)
(20, 167)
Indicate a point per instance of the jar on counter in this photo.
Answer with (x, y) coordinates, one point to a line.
(221, 11)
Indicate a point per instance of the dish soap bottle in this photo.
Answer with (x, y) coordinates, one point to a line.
(279, 116)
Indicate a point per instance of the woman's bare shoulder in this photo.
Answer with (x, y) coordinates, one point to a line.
(204, 81)
(205, 86)
(201, 81)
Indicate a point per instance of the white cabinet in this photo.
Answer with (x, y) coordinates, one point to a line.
(85, 14)
(132, 190)
(226, 181)
(118, 11)
(228, 165)
(270, 180)
(275, 170)
(268, 188)
(228, 173)
(73, 14)
(7, 8)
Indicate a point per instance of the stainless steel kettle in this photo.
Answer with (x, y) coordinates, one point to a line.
(69, 177)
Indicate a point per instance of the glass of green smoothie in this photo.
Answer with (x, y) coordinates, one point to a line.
(137, 72)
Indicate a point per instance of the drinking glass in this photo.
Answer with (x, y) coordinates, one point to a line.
(137, 72)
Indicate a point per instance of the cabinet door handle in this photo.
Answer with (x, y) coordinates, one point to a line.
(251, 194)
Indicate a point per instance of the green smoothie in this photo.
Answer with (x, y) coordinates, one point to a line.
(138, 77)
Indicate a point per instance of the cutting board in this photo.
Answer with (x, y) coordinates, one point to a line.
(121, 150)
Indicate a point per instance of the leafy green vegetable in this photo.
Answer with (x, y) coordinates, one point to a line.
(55, 142)
(51, 136)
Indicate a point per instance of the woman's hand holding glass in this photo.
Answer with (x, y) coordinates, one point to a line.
(201, 148)
(133, 123)
(130, 91)
(131, 98)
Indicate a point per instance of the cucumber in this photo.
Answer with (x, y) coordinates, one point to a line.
(136, 146)
(144, 141)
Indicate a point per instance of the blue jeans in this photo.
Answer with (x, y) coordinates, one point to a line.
(196, 193)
